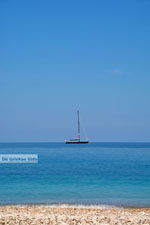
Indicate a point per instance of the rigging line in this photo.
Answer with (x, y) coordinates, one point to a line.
(83, 128)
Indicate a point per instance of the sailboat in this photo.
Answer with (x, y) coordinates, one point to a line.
(78, 139)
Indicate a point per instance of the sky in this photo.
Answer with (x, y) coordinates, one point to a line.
(60, 56)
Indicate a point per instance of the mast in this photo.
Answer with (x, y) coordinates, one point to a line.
(78, 125)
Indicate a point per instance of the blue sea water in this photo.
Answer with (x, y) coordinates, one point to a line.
(94, 173)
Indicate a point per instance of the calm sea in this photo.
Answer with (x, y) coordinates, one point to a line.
(96, 173)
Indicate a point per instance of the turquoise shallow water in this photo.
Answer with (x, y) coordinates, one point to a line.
(96, 173)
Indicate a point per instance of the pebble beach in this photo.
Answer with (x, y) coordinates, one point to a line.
(65, 214)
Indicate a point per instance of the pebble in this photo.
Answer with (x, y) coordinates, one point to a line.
(49, 215)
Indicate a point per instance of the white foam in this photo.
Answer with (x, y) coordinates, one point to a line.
(79, 206)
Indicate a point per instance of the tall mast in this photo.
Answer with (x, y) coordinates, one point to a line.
(78, 125)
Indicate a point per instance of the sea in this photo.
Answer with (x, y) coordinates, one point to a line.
(112, 174)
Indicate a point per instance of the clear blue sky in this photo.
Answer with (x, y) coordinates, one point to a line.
(60, 56)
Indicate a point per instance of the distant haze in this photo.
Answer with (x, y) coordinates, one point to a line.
(60, 56)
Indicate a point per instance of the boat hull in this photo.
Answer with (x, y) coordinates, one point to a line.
(77, 142)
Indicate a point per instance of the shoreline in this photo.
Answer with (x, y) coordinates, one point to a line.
(63, 214)
(75, 205)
